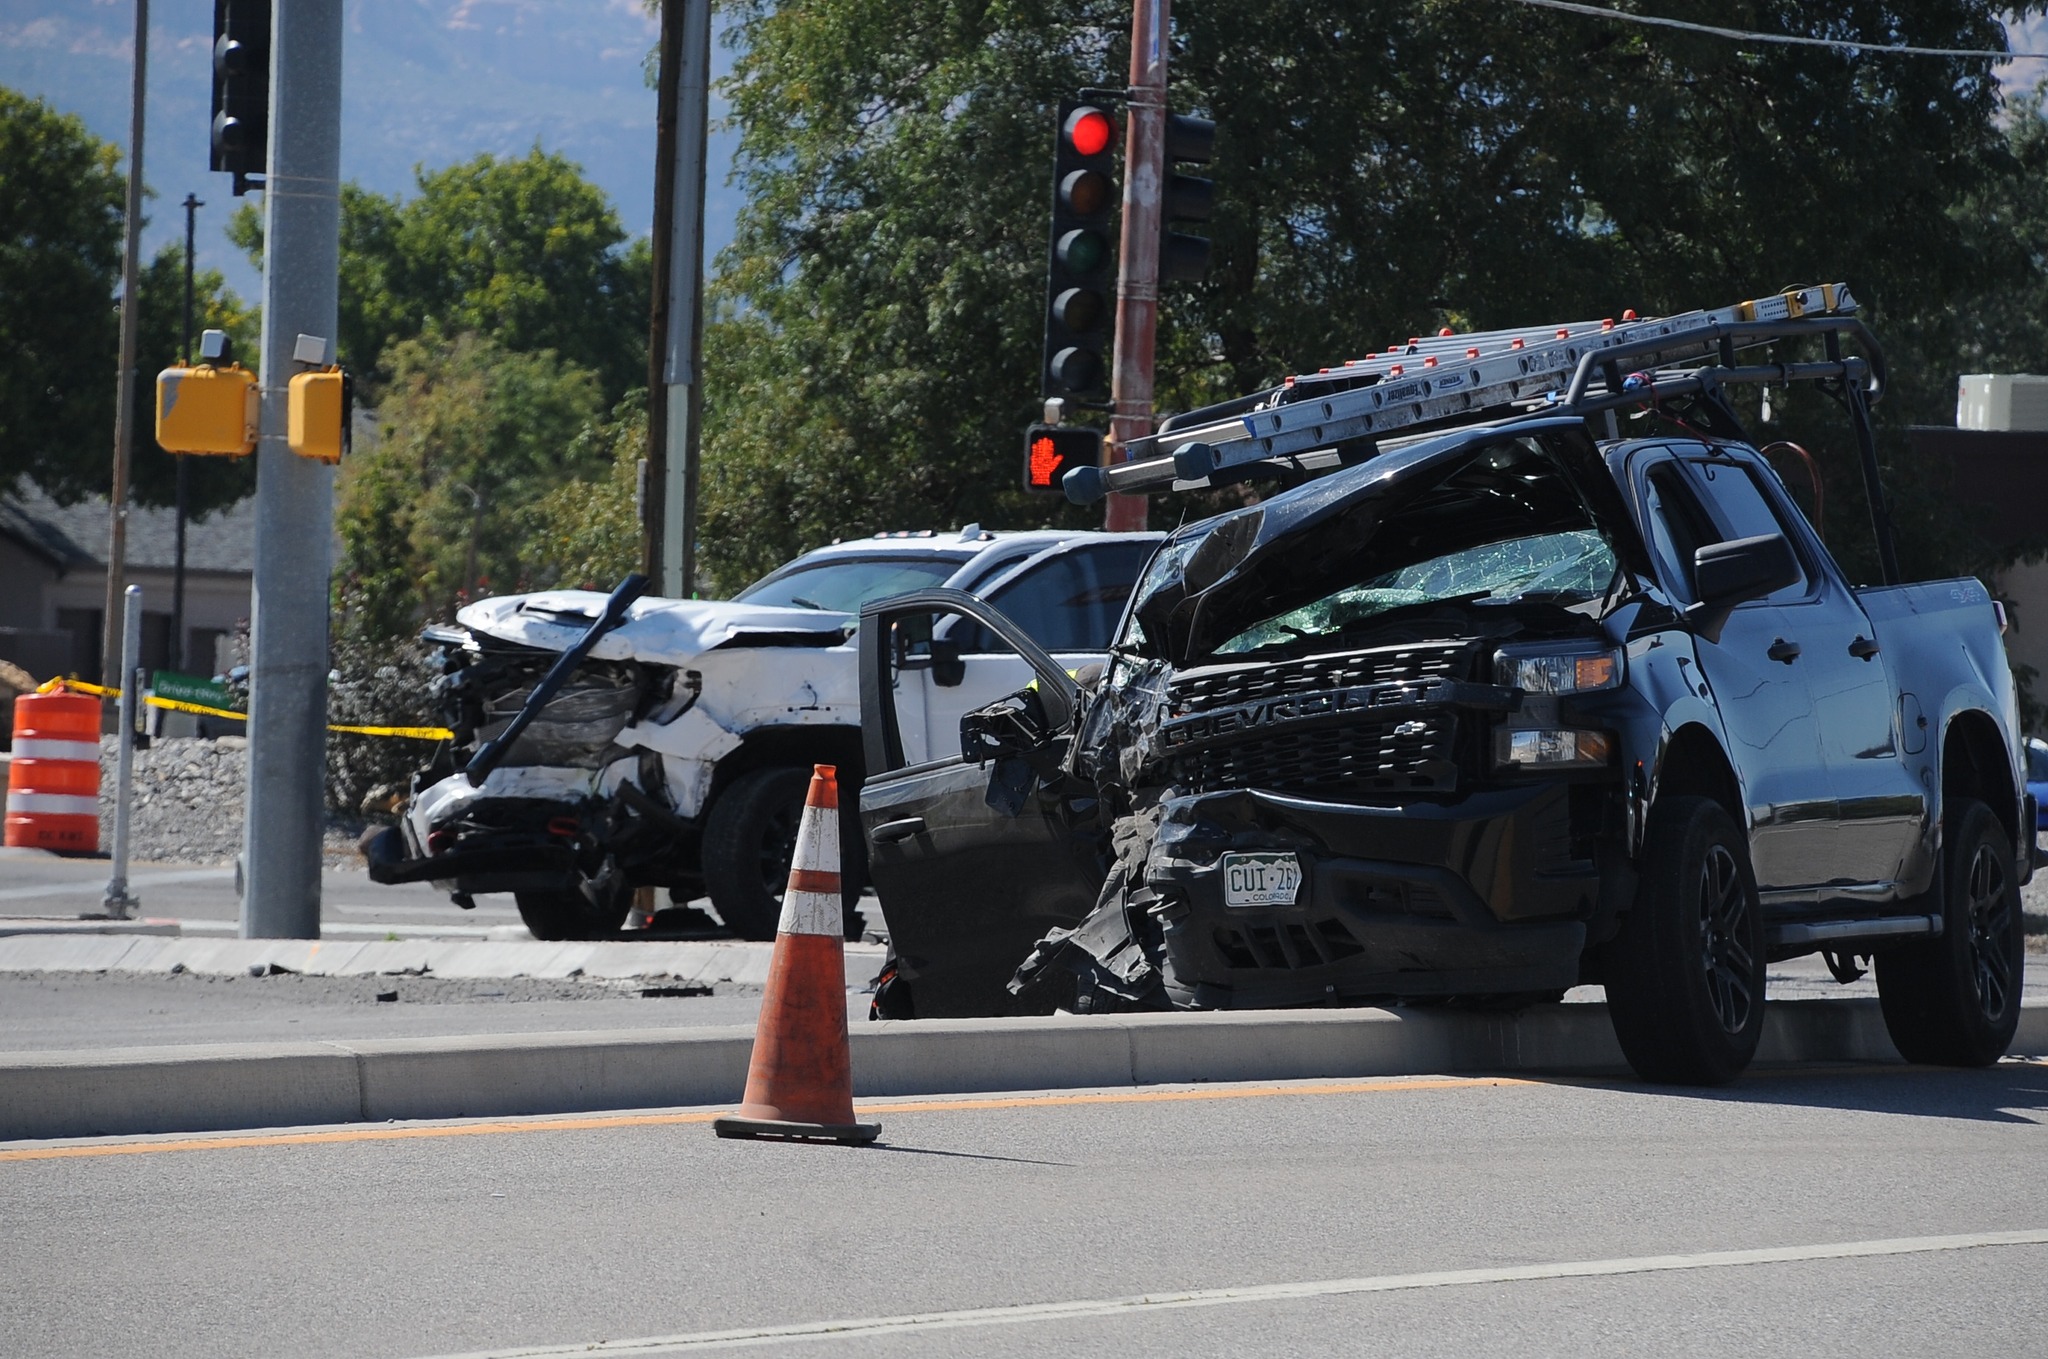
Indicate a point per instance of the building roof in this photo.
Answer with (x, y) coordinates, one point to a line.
(74, 537)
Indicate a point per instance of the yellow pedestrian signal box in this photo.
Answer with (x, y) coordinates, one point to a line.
(206, 410)
(317, 418)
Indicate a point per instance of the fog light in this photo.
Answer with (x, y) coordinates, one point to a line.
(1553, 747)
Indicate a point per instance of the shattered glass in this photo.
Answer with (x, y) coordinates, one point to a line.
(1558, 567)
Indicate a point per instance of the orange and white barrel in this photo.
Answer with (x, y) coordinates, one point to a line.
(53, 777)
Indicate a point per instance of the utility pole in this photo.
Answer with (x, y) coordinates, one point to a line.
(294, 496)
(124, 384)
(654, 467)
(686, 305)
(192, 206)
(1137, 288)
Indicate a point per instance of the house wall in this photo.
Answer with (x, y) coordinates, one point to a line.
(214, 602)
(25, 579)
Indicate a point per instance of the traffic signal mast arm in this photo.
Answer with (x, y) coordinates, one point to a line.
(1450, 380)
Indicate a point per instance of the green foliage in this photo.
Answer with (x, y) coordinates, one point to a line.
(527, 252)
(471, 434)
(1381, 170)
(585, 534)
(61, 197)
(61, 202)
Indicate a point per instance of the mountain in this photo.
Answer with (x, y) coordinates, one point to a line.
(424, 82)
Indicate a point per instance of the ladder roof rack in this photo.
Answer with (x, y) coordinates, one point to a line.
(1452, 380)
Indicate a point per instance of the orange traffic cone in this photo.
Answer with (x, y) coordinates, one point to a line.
(800, 1082)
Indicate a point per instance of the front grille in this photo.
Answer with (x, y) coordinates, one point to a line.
(1216, 687)
(1411, 755)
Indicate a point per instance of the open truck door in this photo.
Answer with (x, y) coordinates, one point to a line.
(999, 813)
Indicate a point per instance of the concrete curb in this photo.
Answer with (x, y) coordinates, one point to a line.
(693, 964)
(193, 1089)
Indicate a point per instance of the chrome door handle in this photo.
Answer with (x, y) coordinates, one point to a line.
(1863, 648)
(889, 832)
(1782, 650)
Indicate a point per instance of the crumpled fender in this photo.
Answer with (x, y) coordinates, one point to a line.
(1110, 961)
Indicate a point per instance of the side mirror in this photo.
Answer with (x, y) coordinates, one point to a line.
(1735, 572)
(910, 640)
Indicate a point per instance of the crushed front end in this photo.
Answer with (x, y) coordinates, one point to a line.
(1367, 742)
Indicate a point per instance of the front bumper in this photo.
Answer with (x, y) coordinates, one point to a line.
(1492, 893)
(484, 868)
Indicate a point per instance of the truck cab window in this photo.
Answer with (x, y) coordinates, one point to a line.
(1070, 603)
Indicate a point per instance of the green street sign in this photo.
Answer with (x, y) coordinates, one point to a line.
(189, 689)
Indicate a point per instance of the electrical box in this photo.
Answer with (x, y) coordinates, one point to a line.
(206, 410)
(317, 415)
(2002, 401)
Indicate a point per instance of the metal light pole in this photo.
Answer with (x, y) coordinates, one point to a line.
(675, 341)
(124, 385)
(118, 902)
(177, 658)
(1137, 288)
(294, 496)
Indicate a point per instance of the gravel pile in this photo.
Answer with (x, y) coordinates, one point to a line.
(190, 799)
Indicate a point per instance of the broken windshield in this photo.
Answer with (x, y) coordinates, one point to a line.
(1558, 568)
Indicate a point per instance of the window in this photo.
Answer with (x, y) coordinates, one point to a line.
(1678, 527)
(843, 584)
(1745, 511)
(1070, 602)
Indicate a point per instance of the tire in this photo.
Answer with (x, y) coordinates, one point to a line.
(749, 839)
(567, 916)
(1685, 976)
(1954, 1000)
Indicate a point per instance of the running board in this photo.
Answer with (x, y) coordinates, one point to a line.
(1828, 933)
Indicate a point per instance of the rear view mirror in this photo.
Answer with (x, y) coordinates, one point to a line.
(1735, 572)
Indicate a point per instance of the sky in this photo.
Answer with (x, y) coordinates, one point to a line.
(424, 82)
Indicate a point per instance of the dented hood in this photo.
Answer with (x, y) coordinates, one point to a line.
(656, 631)
(1212, 579)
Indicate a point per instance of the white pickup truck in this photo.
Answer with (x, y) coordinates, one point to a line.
(678, 752)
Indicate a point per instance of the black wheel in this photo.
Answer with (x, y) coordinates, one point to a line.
(1954, 1000)
(750, 838)
(566, 915)
(1685, 977)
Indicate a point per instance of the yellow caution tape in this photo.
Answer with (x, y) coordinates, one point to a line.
(179, 705)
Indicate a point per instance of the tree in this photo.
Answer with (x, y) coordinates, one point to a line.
(61, 196)
(1381, 170)
(470, 434)
(585, 534)
(527, 252)
(62, 199)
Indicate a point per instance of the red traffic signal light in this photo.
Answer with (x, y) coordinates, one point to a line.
(1051, 451)
(1080, 277)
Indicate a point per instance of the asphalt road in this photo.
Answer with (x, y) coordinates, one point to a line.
(406, 1240)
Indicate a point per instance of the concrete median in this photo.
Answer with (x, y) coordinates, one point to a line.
(196, 1089)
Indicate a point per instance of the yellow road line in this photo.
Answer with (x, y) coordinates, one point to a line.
(581, 1124)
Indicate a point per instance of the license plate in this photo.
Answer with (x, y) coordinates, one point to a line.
(1261, 879)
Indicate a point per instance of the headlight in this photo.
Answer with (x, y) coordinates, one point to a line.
(1558, 672)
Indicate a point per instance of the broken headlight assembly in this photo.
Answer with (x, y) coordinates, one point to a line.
(1545, 674)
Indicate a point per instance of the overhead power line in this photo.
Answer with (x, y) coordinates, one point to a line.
(1781, 39)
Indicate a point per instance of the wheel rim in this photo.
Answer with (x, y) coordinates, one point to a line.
(1724, 931)
(778, 849)
(1990, 919)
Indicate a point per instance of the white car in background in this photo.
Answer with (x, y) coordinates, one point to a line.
(678, 752)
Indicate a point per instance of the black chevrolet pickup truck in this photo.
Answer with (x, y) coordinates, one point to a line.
(1480, 715)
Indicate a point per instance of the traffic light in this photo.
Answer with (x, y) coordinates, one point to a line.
(1051, 451)
(241, 90)
(1182, 258)
(1080, 292)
